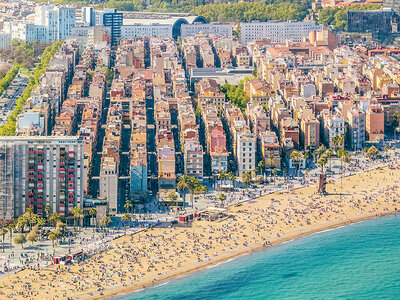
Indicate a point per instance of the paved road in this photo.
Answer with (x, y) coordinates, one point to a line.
(9, 98)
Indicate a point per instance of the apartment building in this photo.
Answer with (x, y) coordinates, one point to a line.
(246, 152)
(375, 123)
(356, 131)
(217, 29)
(40, 171)
(276, 31)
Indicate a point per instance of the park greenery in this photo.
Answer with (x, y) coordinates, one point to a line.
(249, 11)
(10, 127)
(8, 78)
(27, 227)
(24, 53)
(236, 94)
(336, 17)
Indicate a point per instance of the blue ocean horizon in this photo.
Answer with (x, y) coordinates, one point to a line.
(357, 261)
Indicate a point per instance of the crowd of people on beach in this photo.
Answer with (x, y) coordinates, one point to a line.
(139, 260)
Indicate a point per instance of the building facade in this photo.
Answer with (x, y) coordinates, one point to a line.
(40, 171)
(276, 31)
(213, 28)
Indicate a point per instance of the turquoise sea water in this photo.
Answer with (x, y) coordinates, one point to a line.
(359, 261)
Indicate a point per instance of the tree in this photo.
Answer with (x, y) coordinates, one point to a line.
(10, 228)
(20, 240)
(297, 157)
(54, 218)
(3, 232)
(77, 214)
(32, 236)
(172, 197)
(322, 162)
(222, 176)
(193, 185)
(319, 152)
(183, 185)
(372, 152)
(128, 205)
(270, 162)
(329, 155)
(105, 221)
(53, 236)
(40, 221)
(47, 209)
(22, 221)
(261, 166)
(246, 178)
(274, 171)
(92, 214)
(232, 178)
(126, 217)
(222, 199)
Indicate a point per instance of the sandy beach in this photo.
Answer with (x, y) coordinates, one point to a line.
(159, 254)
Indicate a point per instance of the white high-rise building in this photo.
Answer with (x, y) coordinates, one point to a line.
(276, 31)
(25, 31)
(58, 20)
(246, 152)
(5, 39)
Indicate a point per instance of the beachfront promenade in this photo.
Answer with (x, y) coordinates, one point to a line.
(140, 260)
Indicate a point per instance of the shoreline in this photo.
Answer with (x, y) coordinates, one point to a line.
(156, 256)
(125, 290)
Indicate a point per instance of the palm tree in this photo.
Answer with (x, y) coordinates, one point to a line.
(296, 156)
(255, 171)
(53, 236)
(47, 209)
(3, 232)
(232, 178)
(77, 213)
(54, 218)
(222, 199)
(183, 185)
(193, 185)
(92, 214)
(246, 178)
(322, 162)
(274, 171)
(31, 217)
(105, 221)
(329, 154)
(336, 141)
(270, 162)
(172, 197)
(222, 176)
(10, 228)
(320, 151)
(22, 221)
(128, 205)
(261, 165)
(125, 218)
